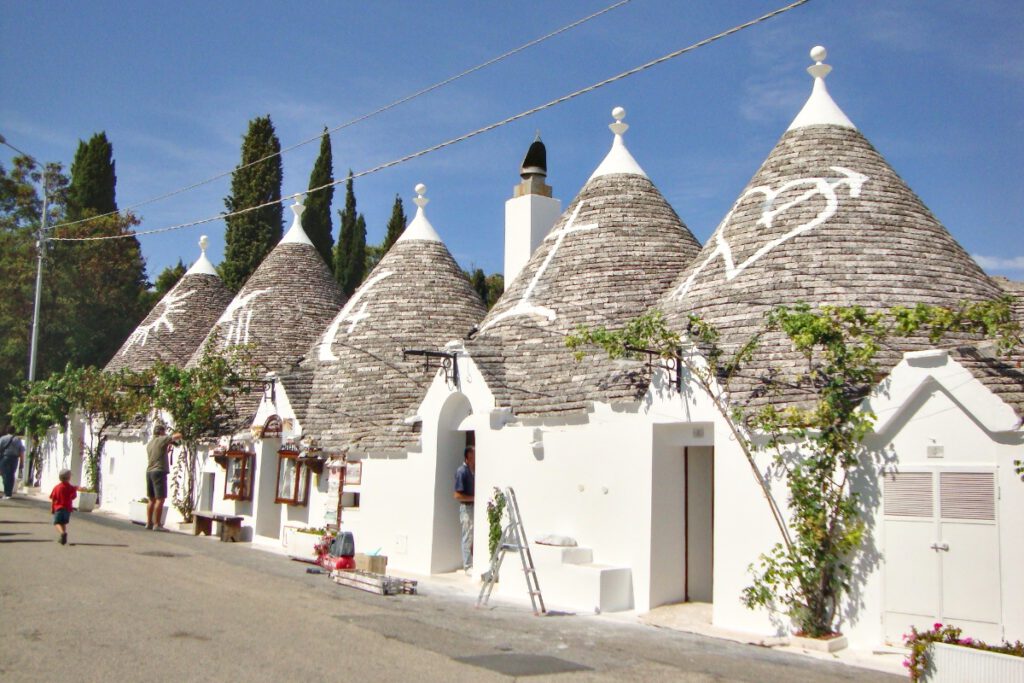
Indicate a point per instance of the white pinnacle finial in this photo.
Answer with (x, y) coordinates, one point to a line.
(618, 160)
(618, 127)
(819, 70)
(419, 227)
(420, 200)
(820, 109)
(202, 266)
(295, 234)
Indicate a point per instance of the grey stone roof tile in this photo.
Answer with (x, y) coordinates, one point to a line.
(616, 248)
(282, 309)
(176, 326)
(354, 388)
(825, 221)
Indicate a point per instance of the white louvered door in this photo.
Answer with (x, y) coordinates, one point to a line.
(941, 558)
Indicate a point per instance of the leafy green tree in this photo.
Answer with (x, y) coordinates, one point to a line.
(819, 445)
(316, 219)
(350, 252)
(256, 181)
(198, 399)
(100, 286)
(495, 288)
(169, 277)
(489, 287)
(20, 215)
(102, 400)
(479, 282)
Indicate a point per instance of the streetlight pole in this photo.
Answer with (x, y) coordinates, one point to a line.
(40, 251)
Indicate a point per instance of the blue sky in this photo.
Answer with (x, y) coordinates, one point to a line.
(938, 87)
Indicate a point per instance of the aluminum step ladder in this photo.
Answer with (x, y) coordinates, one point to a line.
(513, 538)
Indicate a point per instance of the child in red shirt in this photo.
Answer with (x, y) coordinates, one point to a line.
(62, 495)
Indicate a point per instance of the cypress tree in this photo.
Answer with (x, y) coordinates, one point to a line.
(350, 252)
(479, 282)
(316, 219)
(93, 179)
(396, 224)
(251, 236)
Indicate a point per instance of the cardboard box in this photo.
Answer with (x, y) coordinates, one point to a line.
(378, 564)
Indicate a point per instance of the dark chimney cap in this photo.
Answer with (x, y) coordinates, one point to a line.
(536, 160)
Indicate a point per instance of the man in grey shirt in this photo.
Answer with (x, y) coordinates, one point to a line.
(156, 475)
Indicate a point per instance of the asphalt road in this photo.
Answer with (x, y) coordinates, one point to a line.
(119, 603)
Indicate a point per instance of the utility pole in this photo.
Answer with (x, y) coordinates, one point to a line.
(40, 251)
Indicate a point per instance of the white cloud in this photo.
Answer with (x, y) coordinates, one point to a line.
(1000, 263)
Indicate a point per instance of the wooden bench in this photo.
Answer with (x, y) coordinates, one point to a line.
(230, 525)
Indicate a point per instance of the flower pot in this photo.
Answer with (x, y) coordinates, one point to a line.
(830, 644)
(954, 663)
(300, 546)
(85, 501)
(137, 513)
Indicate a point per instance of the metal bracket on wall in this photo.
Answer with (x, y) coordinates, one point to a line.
(672, 364)
(447, 362)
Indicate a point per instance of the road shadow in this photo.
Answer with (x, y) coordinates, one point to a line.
(18, 521)
(13, 533)
(101, 545)
(24, 540)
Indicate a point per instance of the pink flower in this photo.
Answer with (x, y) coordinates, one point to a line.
(937, 626)
(906, 663)
(967, 641)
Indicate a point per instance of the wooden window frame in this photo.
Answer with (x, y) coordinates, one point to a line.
(246, 461)
(300, 490)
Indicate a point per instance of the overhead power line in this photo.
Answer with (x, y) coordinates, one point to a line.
(363, 117)
(466, 136)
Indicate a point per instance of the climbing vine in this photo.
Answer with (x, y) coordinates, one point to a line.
(817, 444)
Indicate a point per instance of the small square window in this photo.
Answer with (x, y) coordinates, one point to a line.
(238, 475)
(292, 478)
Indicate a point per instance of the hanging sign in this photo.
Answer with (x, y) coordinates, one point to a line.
(272, 428)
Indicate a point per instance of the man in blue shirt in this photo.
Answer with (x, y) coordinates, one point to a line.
(464, 494)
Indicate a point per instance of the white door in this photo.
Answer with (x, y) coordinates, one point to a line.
(941, 559)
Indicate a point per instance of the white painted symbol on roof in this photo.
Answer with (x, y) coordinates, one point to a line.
(346, 315)
(237, 318)
(823, 186)
(174, 302)
(523, 306)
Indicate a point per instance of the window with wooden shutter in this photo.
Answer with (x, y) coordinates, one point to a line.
(967, 495)
(908, 494)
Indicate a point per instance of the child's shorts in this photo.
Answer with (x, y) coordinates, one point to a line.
(62, 516)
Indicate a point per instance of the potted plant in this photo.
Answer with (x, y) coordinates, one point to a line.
(300, 543)
(137, 512)
(943, 654)
(86, 499)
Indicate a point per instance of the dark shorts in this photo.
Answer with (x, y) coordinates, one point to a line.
(62, 516)
(156, 485)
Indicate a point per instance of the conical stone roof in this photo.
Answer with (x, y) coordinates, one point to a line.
(615, 250)
(825, 221)
(282, 309)
(361, 390)
(179, 322)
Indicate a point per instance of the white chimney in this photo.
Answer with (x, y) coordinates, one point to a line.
(531, 213)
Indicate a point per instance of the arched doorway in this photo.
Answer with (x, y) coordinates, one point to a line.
(446, 552)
